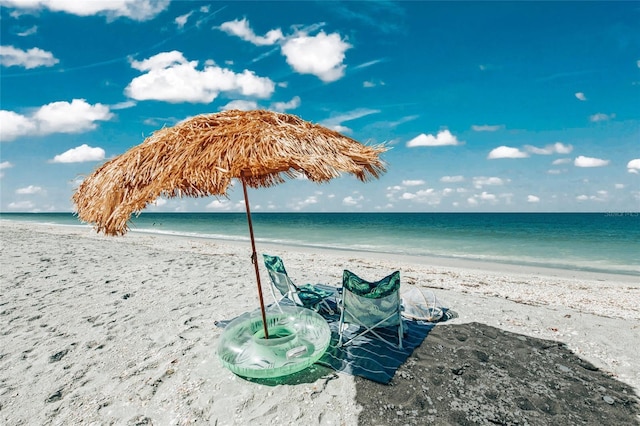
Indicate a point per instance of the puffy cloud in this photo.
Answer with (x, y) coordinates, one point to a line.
(4, 165)
(138, 10)
(506, 152)
(58, 117)
(241, 28)
(481, 181)
(417, 182)
(444, 137)
(583, 161)
(29, 190)
(80, 154)
(284, 106)
(561, 161)
(220, 205)
(240, 104)
(633, 166)
(487, 128)
(485, 196)
(429, 196)
(601, 117)
(352, 201)
(452, 179)
(310, 200)
(14, 125)
(32, 58)
(581, 96)
(533, 199)
(171, 78)
(321, 55)
(556, 148)
(75, 117)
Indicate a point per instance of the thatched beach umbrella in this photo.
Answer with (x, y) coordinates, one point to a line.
(201, 156)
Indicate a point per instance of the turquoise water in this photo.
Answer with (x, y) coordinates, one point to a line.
(603, 242)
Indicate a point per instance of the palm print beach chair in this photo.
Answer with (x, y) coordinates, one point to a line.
(308, 295)
(370, 305)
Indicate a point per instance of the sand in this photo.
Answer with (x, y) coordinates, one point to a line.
(103, 330)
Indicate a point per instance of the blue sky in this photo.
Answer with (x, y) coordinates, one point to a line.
(501, 106)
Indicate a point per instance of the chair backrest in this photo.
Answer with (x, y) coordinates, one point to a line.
(371, 302)
(279, 277)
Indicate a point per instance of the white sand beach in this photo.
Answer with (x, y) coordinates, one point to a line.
(121, 330)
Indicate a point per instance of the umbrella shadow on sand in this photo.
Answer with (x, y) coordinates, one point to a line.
(477, 374)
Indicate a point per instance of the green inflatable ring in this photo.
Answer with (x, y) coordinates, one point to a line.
(298, 337)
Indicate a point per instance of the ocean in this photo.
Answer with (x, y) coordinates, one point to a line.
(598, 242)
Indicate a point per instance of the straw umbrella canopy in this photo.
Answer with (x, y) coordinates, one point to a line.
(201, 156)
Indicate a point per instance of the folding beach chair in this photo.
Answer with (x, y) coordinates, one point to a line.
(308, 295)
(370, 305)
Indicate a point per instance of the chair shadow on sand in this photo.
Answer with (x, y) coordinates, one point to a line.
(477, 374)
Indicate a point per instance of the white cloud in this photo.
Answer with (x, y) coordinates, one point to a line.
(601, 197)
(452, 179)
(310, 200)
(444, 137)
(533, 199)
(171, 78)
(80, 154)
(75, 117)
(556, 148)
(28, 31)
(429, 196)
(138, 10)
(29, 190)
(601, 117)
(417, 182)
(485, 196)
(21, 205)
(352, 201)
(57, 117)
(181, 20)
(561, 161)
(123, 105)
(506, 152)
(5, 165)
(32, 58)
(335, 122)
(487, 128)
(241, 28)
(581, 96)
(633, 166)
(14, 125)
(241, 105)
(583, 161)
(481, 181)
(285, 106)
(220, 205)
(321, 55)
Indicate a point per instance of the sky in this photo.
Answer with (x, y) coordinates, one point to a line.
(484, 106)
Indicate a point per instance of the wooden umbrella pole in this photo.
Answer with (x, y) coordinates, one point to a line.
(254, 260)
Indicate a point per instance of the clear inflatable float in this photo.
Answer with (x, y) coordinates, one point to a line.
(298, 337)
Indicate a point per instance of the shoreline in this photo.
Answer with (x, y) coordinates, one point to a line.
(439, 261)
(119, 329)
